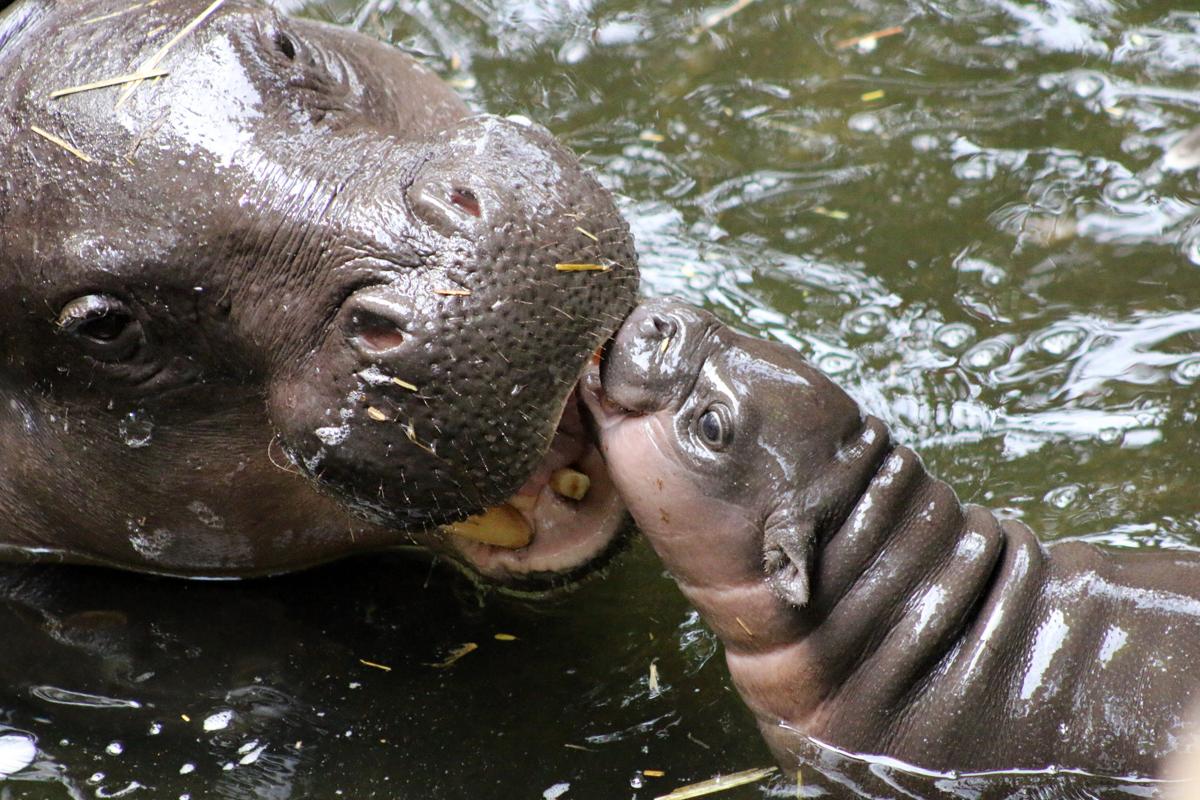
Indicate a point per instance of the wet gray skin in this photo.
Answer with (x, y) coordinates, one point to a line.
(859, 602)
(290, 301)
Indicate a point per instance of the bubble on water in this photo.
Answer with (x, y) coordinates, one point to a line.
(1111, 435)
(95, 777)
(637, 782)
(865, 321)
(115, 748)
(865, 122)
(975, 168)
(17, 751)
(333, 436)
(835, 363)
(1063, 496)
(986, 354)
(1087, 85)
(556, 791)
(218, 721)
(1047, 83)
(1125, 190)
(155, 729)
(1059, 341)
(1187, 371)
(187, 768)
(136, 429)
(954, 336)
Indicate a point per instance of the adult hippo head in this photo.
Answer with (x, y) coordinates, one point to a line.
(286, 300)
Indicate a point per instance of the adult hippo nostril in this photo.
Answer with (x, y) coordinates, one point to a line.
(375, 324)
(446, 206)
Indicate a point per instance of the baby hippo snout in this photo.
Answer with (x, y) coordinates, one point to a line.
(660, 344)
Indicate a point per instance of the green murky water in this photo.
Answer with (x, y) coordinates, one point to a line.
(971, 224)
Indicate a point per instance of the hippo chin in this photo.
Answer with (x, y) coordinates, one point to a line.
(288, 299)
(860, 604)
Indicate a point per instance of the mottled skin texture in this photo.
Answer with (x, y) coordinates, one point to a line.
(860, 603)
(262, 240)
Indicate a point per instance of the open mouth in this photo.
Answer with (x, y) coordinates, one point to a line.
(563, 524)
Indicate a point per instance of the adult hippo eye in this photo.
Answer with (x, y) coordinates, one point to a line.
(714, 427)
(102, 325)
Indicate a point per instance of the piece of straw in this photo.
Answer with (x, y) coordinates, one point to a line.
(107, 82)
(153, 61)
(63, 143)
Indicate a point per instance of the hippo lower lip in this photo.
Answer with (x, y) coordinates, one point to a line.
(564, 534)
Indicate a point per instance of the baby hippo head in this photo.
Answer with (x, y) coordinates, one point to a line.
(721, 445)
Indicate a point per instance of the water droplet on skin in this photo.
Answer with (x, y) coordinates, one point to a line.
(986, 354)
(136, 429)
(1111, 435)
(1063, 496)
(954, 336)
(1059, 341)
(1187, 371)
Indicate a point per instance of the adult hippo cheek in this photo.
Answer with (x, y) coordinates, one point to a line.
(287, 301)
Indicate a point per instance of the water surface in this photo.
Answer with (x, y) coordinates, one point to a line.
(984, 225)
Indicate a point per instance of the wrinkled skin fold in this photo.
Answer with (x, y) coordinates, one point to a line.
(288, 301)
(859, 602)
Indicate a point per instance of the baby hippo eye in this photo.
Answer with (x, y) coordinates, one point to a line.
(714, 427)
(103, 326)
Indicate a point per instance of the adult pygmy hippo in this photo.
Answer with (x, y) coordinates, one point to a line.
(287, 243)
(859, 602)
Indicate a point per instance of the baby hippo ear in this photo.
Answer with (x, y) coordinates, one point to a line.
(787, 557)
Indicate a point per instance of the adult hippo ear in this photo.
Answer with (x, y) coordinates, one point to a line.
(292, 241)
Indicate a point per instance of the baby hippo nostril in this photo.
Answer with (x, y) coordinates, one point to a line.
(658, 326)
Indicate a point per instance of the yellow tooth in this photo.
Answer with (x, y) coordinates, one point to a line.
(502, 526)
(570, 483)
(524, 502)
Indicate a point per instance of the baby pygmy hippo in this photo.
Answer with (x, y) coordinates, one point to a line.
(859, 602)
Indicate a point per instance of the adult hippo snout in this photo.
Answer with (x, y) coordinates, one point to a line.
(440, 385)
(288, 300)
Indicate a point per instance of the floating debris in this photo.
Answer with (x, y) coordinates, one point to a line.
(185, 718)
(717, 17)
(373, 665)
(504, 637)
(403, 384)
(153, 61)
(720, 783)
(868, 40)
(455, 655)
(582, 267)
(377, 415)
(652, 682)
(121, 13)
(107, 82)
(652, 137)
(579, 747)
(410, 431)
(832, 213)
(63, 143)
(588, 234)
(654, 773)
(453, 292)
(869, 97)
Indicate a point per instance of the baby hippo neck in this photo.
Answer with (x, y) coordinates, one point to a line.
(903, 579)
